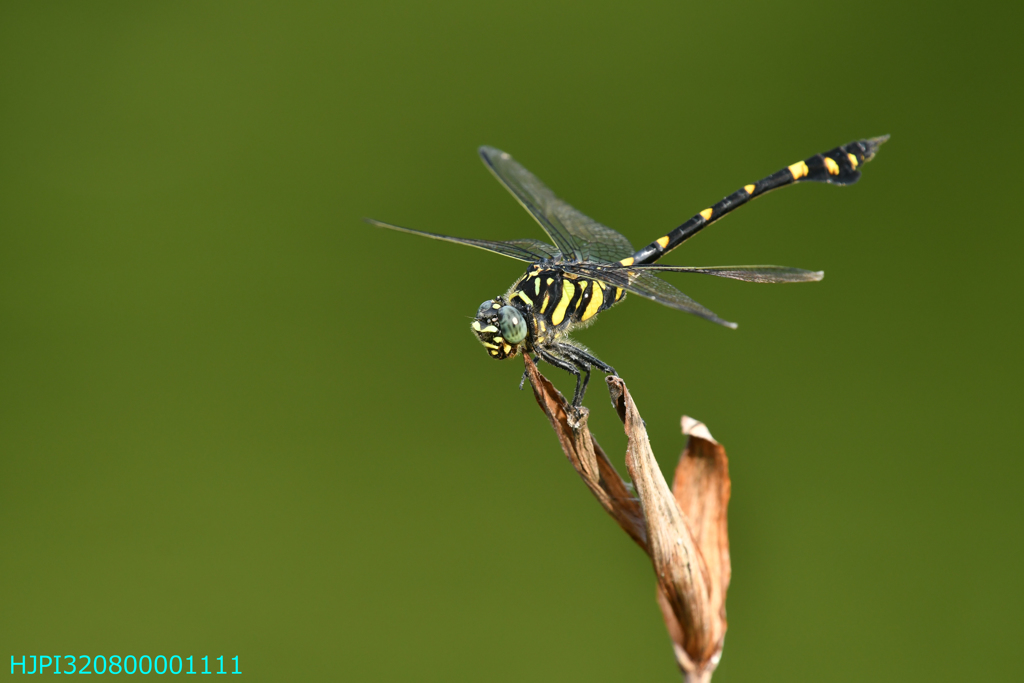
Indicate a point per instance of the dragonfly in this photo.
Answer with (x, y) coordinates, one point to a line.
(589, 267)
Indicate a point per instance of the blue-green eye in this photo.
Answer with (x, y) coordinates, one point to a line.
(512, 324)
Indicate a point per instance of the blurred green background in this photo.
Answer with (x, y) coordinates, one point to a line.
(235, 420)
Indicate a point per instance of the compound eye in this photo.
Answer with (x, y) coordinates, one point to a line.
(485, 308)
(512, 324)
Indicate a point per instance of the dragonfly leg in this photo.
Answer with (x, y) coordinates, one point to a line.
(526, 374)
(570, 367)
(583, 360)
(578, 355)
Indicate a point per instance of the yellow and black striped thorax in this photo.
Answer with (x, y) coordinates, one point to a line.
(555, 301)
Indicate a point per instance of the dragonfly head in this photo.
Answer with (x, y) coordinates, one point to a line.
(500, 328)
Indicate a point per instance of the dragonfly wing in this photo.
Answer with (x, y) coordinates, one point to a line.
(522, 250)
(770, 274)
(549, 250)
(597, 242)
(649, 286)
(576, 234)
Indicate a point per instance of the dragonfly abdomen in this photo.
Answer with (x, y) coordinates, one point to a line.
(837, 166)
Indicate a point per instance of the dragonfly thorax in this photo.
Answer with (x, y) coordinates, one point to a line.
(501, 328)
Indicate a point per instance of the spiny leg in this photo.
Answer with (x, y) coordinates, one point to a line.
(581, 391)
(837, 166)
(568, 367)
(526, 374)
(584, 361)
(575, 353)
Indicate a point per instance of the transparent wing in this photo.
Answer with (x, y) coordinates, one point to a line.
(649, 286)
(550, 251)
(769, 274)
(578, 236)
(523, 250)
(597, 242)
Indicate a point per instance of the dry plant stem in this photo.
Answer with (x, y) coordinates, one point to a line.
(678, 564)
(587, 457)
(683, 531)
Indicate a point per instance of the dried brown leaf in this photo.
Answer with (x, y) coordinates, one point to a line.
(684, 530)
(702, 488)
(684, 584)
(587, 457)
